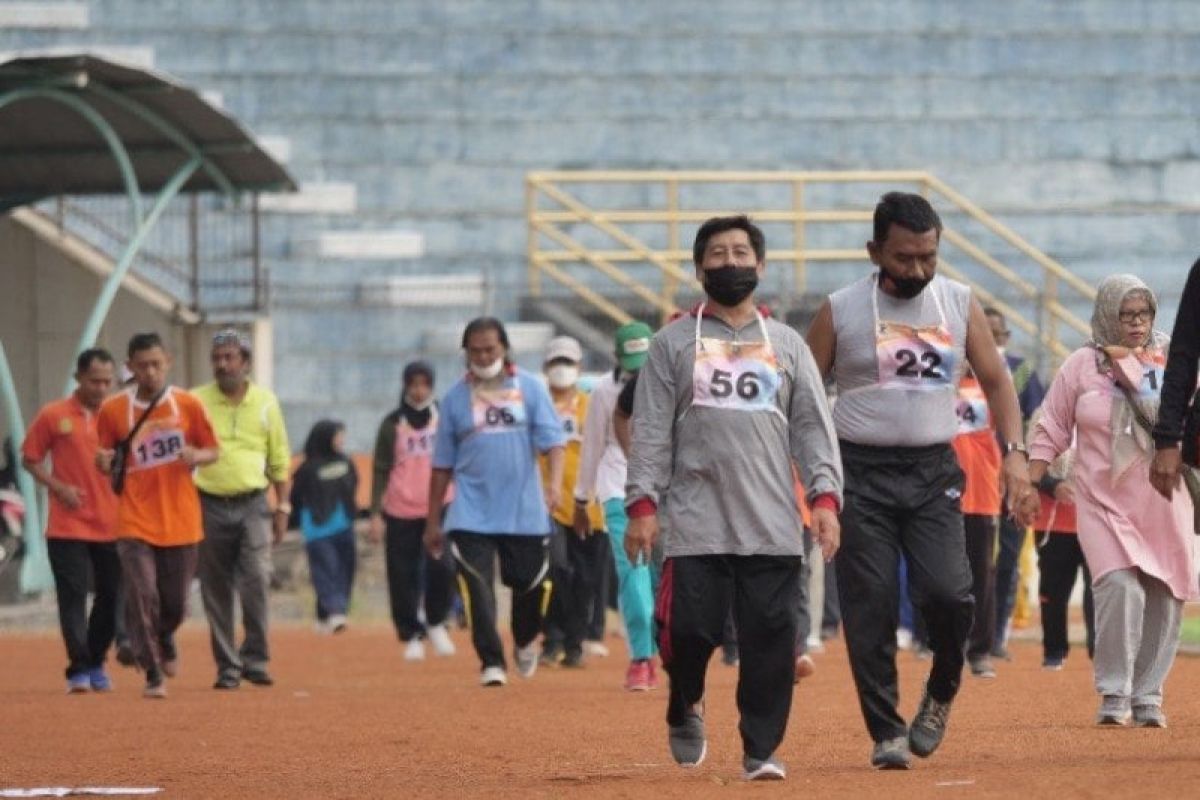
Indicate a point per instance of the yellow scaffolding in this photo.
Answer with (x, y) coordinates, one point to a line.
(560, 222)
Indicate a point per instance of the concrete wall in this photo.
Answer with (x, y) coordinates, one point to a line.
(45, 298)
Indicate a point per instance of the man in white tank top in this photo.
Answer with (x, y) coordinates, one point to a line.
(897, 343)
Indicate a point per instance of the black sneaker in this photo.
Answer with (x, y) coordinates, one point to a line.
(259, 677)
(928, 726)
(226, 682)
(551, 655)
(156, 685)
(891, 754)
(572, 660)
(125, 656)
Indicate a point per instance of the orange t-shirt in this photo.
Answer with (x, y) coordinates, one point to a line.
(65, 430)
(160, 504)
(977, 450)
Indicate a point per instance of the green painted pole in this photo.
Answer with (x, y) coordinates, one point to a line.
(109, 291)
(35, 565)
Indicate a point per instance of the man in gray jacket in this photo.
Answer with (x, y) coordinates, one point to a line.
(727, 402)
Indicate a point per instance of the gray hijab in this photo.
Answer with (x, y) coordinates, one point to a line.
(1129, 440)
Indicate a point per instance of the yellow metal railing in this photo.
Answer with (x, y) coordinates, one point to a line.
(621, 240)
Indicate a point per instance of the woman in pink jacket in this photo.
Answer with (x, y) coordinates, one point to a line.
(1138, 545)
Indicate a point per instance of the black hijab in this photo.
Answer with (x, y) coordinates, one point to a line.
(416, 418)
(327, 478)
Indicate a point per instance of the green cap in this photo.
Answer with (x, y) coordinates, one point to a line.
(633, 345)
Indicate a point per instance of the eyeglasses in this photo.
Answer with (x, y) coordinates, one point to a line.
(1130, 317)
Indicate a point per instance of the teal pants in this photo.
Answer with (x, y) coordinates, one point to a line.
(636, 586)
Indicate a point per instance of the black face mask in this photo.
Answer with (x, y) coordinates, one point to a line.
(730, 285)
(905, 288)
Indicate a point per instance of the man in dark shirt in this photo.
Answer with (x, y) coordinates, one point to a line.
(1179, 387)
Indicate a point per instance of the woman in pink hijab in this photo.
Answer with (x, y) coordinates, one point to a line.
(1138, 545)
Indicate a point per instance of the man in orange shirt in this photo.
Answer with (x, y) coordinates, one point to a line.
(83, 512)
(158, 512)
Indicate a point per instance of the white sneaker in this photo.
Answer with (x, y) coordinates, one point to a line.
(322, 627)
(494, 676)
(337, 623)
(595, 648)
(904, 639)
(527, 660)
(443, 645)
(414, 650)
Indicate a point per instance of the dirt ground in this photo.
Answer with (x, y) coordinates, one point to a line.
(348, 718)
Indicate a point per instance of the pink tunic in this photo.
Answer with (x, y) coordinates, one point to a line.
(1121, 525)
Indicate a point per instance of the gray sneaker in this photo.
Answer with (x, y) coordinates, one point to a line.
(1114, 711)
(981, 667)
(769, 769)
(526, 659)
(1149, 717)
(687, 741)
(928, 726)
(891, 754)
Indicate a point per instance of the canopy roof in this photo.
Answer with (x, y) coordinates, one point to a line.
(48, 146)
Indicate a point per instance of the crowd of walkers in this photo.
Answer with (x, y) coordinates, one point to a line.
(896, 459)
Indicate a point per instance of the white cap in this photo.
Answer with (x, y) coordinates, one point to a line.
(564, 347)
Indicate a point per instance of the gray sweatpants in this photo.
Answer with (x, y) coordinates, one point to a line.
(236, 555)
(1137, 633)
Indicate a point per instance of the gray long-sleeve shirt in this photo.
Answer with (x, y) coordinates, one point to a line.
(722, 479)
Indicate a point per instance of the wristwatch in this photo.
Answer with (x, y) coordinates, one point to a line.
(1016, 447)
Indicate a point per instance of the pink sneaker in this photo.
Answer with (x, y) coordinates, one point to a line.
(653, 674)
(638, 677)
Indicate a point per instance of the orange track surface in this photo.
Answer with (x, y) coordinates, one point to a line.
(348, 718)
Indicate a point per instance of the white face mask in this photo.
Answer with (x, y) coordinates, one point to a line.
(426, 403)
(562, 376)
(488, 372)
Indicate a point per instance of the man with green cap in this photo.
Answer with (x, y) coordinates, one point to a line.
(602, 478)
